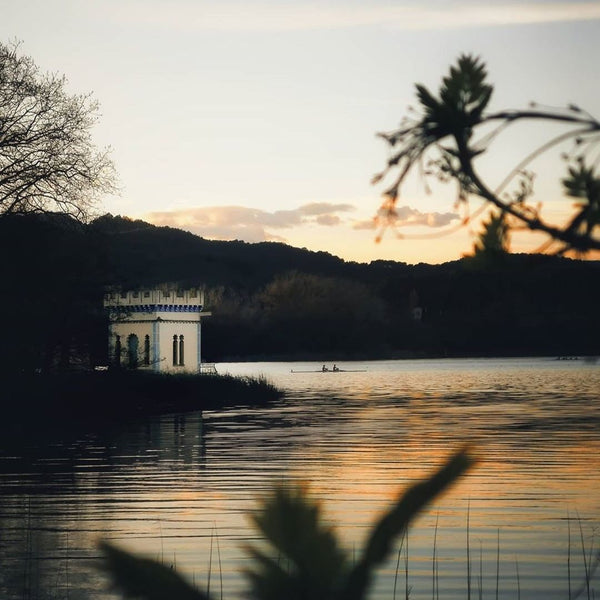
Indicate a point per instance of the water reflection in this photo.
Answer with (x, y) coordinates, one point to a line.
(177, 486)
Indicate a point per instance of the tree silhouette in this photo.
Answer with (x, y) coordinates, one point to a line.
(493, 240)
(48, 162)
(452, 130)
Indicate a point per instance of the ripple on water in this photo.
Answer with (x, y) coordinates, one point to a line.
(178, 486)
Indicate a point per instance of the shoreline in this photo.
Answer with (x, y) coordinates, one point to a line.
(337, 357)
(82, 397)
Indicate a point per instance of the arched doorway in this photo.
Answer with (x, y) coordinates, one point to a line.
(132, 351)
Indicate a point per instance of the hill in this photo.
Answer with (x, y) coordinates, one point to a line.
(270, 300)
(143, 254)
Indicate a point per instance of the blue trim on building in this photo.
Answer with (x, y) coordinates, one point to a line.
(148, 308)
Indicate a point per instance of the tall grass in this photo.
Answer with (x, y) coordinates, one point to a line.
(300, 557)
(435, 594)
(122, 394)
(498, 566)
(589, 560)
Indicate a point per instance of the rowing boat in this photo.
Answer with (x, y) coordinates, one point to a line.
(331, 371)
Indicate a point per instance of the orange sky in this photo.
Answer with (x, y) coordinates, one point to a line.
(257, 120)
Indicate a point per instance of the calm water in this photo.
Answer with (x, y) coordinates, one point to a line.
(178, 488)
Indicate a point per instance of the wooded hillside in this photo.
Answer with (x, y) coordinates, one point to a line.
(270, 300)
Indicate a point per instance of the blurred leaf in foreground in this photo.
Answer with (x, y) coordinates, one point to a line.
(301, 557)
(146, 578)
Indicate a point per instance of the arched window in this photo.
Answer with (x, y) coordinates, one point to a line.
(132, 351)
(118, 351)
(175, 351)
(147, 350)
(181, 351)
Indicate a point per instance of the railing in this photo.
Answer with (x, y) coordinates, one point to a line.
(208, 369)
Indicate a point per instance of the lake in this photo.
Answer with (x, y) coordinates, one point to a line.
(179, 487)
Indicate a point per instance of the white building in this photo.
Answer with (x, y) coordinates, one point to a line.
(158, 330)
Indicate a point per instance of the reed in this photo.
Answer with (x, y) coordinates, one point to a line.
(214, 540)
(67, 565)
(590, 561)
(480, 580)
(468, 552)
(209, 563)
(162, 547)
(220, 565)
(569, 555)
(290, 525)
(585, 559)
(56, 398)
(397, 566)
(27, 567)
(407, 588)
(498, 564)
(435, 592)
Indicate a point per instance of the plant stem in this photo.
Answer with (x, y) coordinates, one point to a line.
(498, 564)
(468, 553)
(398, 565)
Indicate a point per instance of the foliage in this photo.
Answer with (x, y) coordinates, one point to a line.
(328, 314)
(47, 159)
(442, 142)
(516, 301)
(56, 397)
(293, 527)
(296, 314)
(303, 559)
(183, 255)
(145, 578)
(304, 293)
(51, 286)
(493, 241)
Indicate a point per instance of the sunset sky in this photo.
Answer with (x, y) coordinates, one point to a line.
(256, 120)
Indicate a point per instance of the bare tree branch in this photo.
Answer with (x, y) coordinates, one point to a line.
(48, 161)
(445, 132)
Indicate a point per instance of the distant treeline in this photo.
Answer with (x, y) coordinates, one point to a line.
(273, 301)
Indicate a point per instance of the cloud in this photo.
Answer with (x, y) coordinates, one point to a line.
(370, 224)
(328, 220)
(248, 224)
(237, 16)
(406, 216)
(323, 208)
